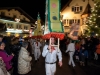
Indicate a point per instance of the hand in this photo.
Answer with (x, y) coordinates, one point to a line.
(12, 54)
(49, 47)
(60, 63)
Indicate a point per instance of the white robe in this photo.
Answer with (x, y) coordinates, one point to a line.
(37, 51)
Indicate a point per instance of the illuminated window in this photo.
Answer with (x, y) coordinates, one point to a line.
(18, 26)
(67, 21)
(3, 13)
(10, 25)
(71, 21)
(25, 27)
(76, 9)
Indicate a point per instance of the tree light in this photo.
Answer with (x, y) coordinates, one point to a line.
(96, 34)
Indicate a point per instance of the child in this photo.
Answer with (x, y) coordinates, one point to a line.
(83, 56)
(77, 49)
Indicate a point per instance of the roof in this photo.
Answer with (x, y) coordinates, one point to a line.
(20, 10)
(67, 4)
(87, 9)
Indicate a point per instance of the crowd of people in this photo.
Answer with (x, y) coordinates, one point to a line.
(83, 50)
(16, 54)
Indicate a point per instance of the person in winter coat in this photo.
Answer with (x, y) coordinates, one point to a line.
(15, 48)
(3, 70)
(83, 55)
(24, 59)
(5, 57)
(98, 52)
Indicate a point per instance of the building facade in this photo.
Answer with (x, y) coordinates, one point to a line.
(76, 11)
(17, 21)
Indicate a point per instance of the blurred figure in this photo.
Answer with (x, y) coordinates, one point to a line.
(37, 51)
(71, 50)
(24, 59)
(1, 38)
(83, 56)
(98, 52)
(89, 48)
(77, 50)
(15, 48)
(7, 41)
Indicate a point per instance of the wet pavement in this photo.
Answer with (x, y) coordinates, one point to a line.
(38, 68)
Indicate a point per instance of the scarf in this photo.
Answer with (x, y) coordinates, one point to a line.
(52, 48)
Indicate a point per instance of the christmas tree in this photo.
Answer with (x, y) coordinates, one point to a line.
(94, 20)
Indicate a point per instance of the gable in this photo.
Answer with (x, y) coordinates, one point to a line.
(87, 9)
(83, 3)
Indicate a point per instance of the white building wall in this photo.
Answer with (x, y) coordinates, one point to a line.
(69, 14)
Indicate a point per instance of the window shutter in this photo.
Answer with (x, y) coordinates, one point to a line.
(81, 8)
(64, 21)
(73, 8)
(70, 21)
(79, 21)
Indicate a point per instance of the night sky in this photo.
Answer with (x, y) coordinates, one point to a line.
(31, 7)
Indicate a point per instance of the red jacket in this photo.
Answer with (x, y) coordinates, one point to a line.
(98, 49)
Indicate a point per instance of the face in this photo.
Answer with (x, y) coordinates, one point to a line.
(2, 46)
(52, 40)
(83, 48)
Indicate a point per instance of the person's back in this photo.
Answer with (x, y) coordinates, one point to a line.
(71, 50)
(71, 47)
(24, 59)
